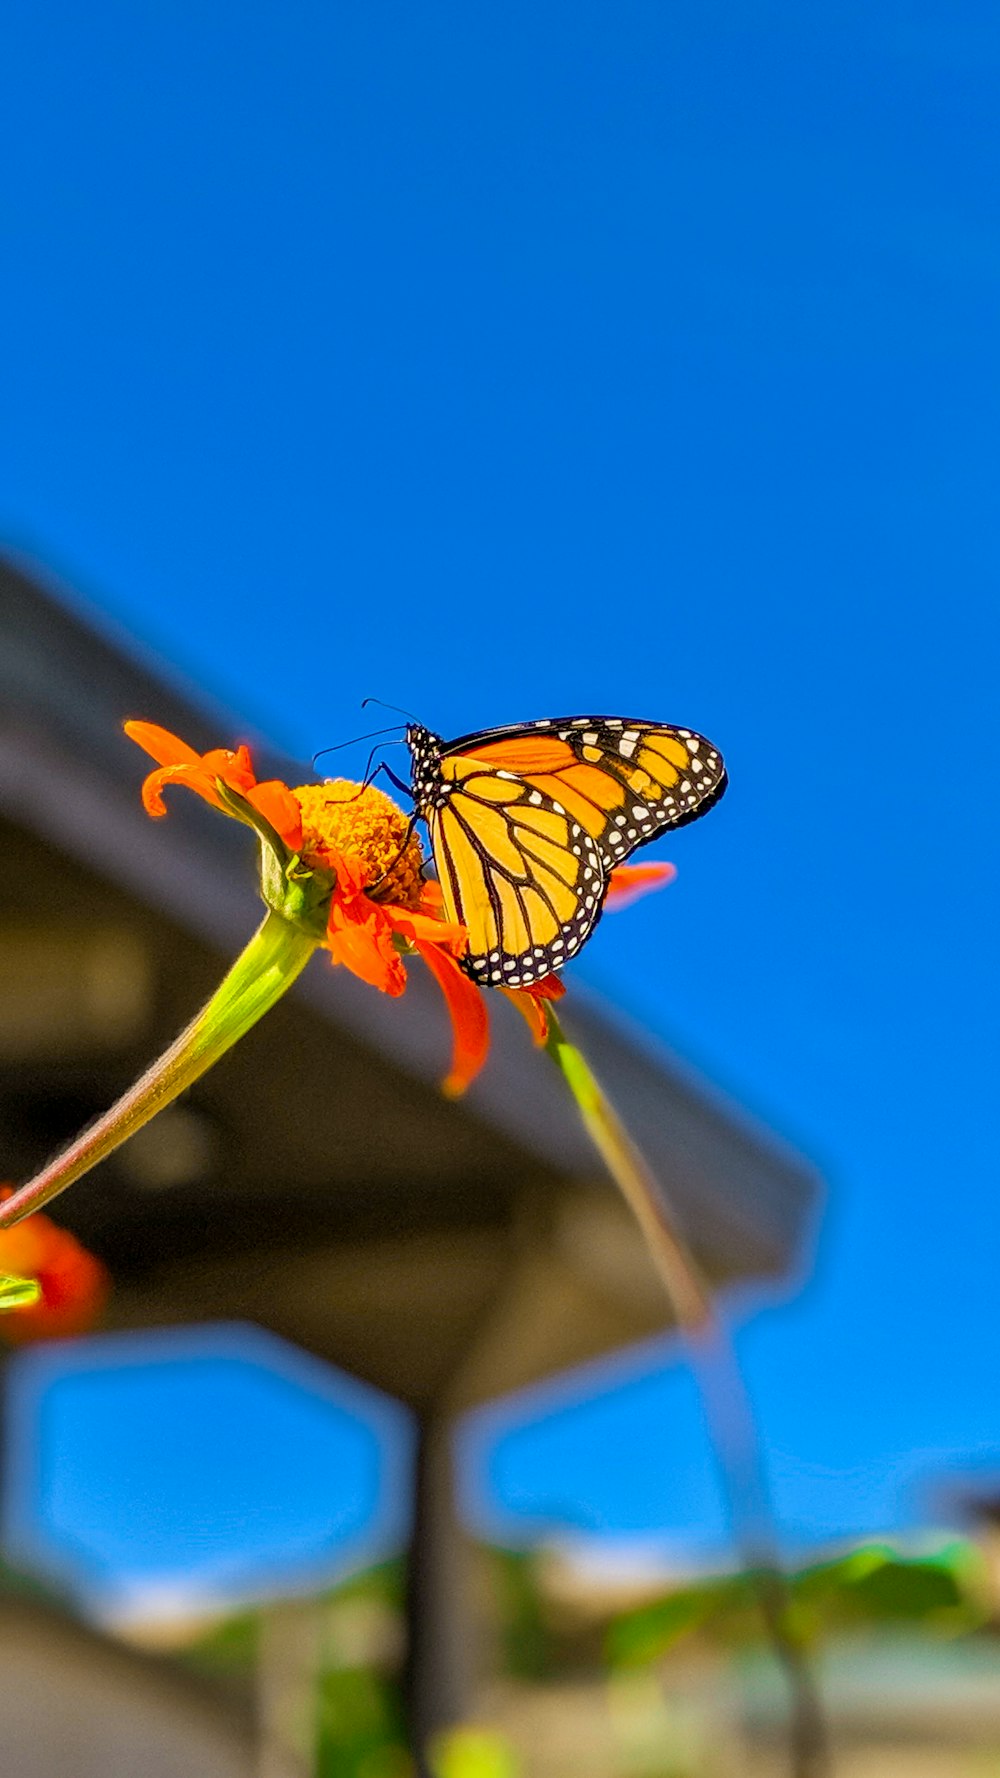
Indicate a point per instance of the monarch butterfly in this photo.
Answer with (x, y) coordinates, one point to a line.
(527, 823)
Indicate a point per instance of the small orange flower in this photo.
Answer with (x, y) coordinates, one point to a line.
(380, 907)
(74, 1284)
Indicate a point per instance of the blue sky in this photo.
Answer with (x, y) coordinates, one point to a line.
(128, 1485)
(504, 362)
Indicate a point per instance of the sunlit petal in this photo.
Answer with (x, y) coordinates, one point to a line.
(470, 1023)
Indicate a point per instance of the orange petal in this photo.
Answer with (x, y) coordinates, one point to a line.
(548, 987)
(530, 1003)
(191, 776)
(469, 1019)
(426, 928)
(180, 764)
(629, 881)
(276, 803)
(235, 769)
(350, 874)
(532, 1011)
(161, 745)
(365, 947)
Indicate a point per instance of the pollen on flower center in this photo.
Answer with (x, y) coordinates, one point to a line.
(341, 817)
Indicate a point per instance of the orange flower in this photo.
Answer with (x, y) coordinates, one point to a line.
(354, 836)
(379, 908)
(74, 1284)
(340, 867)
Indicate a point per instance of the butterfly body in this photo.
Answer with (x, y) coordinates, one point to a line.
(528, 822)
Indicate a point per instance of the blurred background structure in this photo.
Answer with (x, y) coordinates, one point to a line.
(316, 1183)
(499, 363)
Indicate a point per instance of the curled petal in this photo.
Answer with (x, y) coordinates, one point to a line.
(469, 1020)
(629, 881)
(180, 764)
(190, 775)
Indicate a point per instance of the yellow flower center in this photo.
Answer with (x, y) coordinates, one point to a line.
(339, 816)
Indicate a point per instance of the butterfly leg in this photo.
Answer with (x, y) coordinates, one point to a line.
(410, 826)
(390, 774)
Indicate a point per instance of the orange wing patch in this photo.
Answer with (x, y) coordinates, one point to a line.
(575, 805)
(674, 752)
(542, 921)
(463, 890)
(544, 821)
(516, 937)
(525, 882)
(525, 756)
(598, 787)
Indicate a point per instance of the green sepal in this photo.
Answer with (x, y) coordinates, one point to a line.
(18, 1293)
(300, 893)
(237, 805)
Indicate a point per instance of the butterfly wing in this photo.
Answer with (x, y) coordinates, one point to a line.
(527, 823)
(623, 781)
(517, 870)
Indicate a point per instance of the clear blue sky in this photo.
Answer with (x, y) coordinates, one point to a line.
(502, 361)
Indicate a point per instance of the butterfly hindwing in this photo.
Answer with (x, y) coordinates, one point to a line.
(517, 871)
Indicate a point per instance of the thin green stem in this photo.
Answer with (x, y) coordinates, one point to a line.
(728, 1413)
(270, 963)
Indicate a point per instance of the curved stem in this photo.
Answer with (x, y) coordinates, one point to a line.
(270, 963)
(728, 1413)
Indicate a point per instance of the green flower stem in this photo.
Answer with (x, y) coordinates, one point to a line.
(728, 1413)
(686, 1289)
(275, 956)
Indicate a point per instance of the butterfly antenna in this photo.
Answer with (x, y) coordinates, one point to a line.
(370, 776)
(336, 748)
(384, 706)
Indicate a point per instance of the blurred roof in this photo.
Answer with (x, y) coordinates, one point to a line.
(316, 1181)
(76, 1702)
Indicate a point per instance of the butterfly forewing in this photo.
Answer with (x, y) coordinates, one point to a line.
(623, 779)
